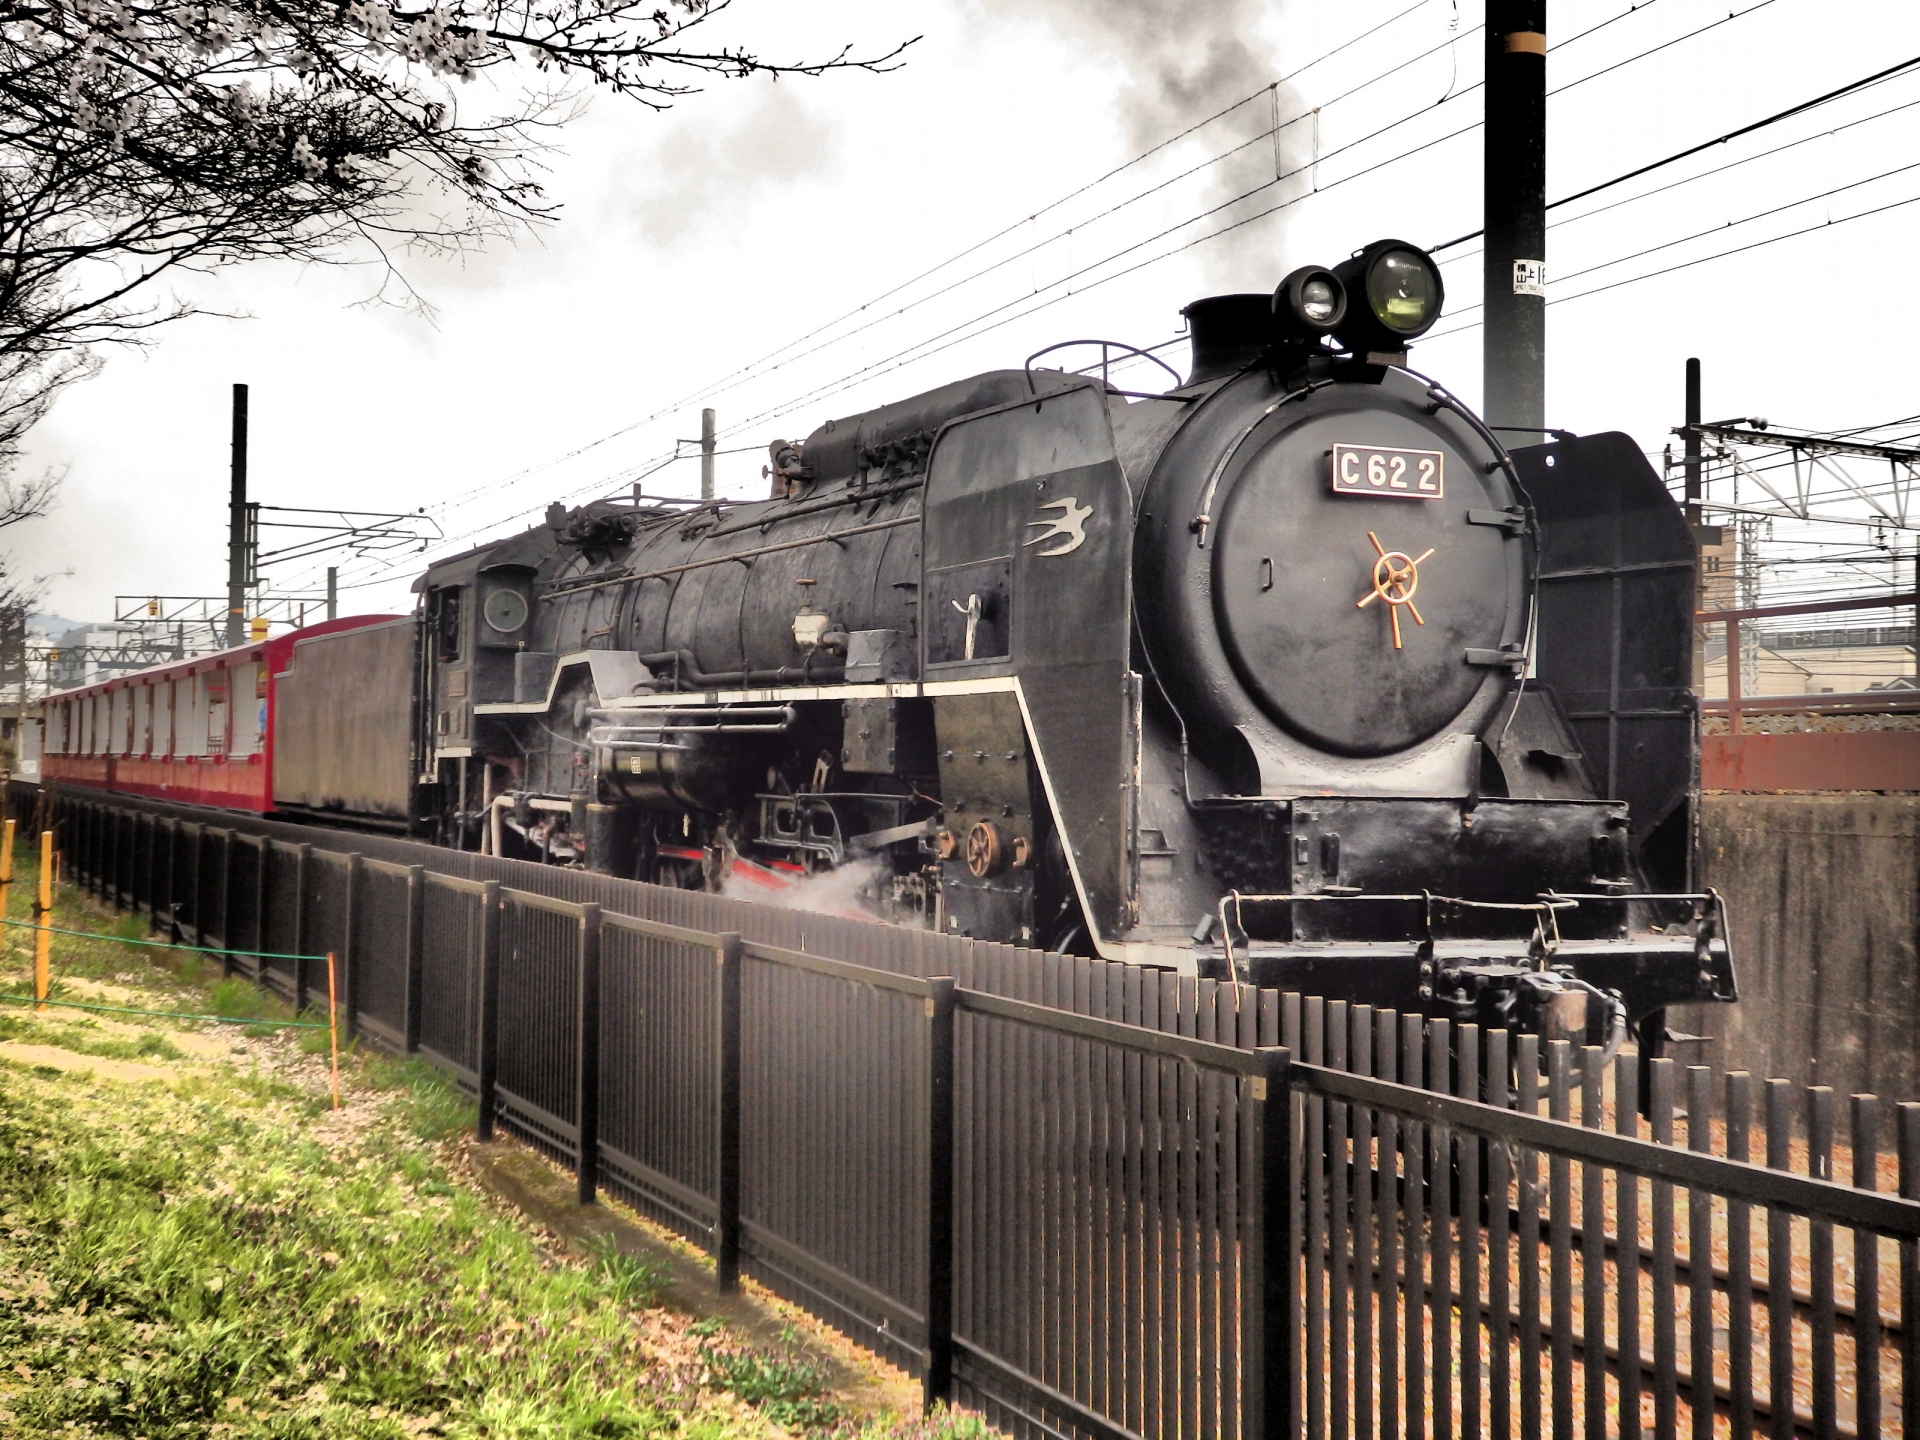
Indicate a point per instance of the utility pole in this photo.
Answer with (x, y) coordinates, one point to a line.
(237, 526)
(333, 592)
(706, 454)
(1514, 196)
(1694, 493)
(1692, 440)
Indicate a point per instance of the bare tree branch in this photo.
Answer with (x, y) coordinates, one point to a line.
(140, 139)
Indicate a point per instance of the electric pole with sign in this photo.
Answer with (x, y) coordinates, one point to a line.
(1514, 336)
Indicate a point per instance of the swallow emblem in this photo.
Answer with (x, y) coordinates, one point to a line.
(1070, 525)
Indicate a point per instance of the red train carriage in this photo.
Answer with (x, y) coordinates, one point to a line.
(237, 730)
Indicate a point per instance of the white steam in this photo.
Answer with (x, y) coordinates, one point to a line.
(1184, 63)
(851, 892)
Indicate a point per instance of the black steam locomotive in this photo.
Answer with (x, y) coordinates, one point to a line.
(1290, 672)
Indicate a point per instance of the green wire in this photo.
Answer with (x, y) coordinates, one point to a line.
(167, 1014)
(156, 944)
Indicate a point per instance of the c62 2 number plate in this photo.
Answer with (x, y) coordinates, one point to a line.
(1397, 474)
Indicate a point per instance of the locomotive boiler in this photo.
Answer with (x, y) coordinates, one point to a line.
(1289, 671)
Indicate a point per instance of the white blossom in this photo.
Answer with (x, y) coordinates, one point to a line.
(310, 163)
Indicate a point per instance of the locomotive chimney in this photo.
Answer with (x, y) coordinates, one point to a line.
(1229, 333)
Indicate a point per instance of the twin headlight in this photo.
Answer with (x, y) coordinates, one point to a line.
(1378, 300)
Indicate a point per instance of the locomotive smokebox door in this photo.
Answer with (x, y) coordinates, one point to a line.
(1028, 535)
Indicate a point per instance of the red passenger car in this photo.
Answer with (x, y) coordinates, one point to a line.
(199, 732)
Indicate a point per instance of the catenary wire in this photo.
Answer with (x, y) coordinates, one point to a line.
(1703, 259)
(1095, 183)
(942, 341)
(1876, 78)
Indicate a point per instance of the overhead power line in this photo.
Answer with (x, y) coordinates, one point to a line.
(746, 371)
(995, 318)
(1717, 170)
(1703, 259)
(1691, 150)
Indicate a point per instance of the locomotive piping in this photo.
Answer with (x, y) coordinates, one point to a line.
(737, 556)
(1205, 517)
(814, 507)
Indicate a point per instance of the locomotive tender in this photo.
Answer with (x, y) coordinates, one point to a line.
(1290, 672)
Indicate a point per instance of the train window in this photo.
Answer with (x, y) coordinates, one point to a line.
(190, 723)
(143, 720)
(163, 718)
(505, 611)
(249, 708)
(968, 612)
(216, 692)
(446, 627)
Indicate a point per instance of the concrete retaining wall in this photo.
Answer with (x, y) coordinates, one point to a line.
(1825, 897)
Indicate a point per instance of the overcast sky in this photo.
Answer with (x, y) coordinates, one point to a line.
(696, 244)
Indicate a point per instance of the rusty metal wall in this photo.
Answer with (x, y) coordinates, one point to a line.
(1824, 895)
(342, 718)
(1833, 760)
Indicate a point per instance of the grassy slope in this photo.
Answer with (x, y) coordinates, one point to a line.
(219, 1254)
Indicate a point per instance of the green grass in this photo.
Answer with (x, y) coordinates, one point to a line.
(221, 1258)
(176, 1259)
(633, 1282)
(788, 1389)
(428, 1104)
(943, 1424)
(238, 998)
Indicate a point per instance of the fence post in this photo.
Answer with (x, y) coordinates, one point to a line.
(196, 897)
(260, 878)
(149, 887)
(416, 950)
(350, 946)
(1908, 1144)
(226, 905)
(1267, 1271)
(487, 1042)
(302, 859)
(726, 1198)
(936, 1378)
(161, 882)
(154, 884)
(586, 1078)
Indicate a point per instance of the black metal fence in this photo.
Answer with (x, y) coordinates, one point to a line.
(1065, 1191)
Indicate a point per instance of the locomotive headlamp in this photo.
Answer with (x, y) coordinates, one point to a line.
(1403, 295)
(1310, 301)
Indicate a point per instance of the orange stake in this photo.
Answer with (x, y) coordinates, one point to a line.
(6, 869)
(43, 938)
(333, 1028)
